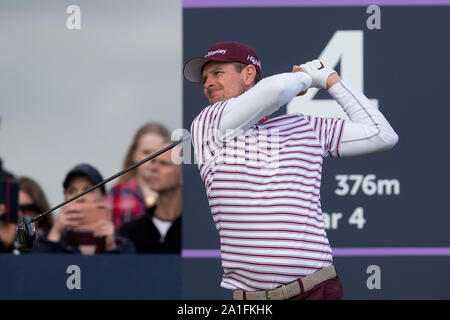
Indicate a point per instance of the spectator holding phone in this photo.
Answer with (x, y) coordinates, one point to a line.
(103, 238)
(31, 202)
(7, 229)
(133, 194)
(7, 232)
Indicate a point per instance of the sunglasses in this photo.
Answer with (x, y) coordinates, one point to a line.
(29, 209)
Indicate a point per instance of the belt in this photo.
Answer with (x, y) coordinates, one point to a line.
(288, 290)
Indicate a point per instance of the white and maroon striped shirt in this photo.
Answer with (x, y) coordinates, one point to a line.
(263, 188)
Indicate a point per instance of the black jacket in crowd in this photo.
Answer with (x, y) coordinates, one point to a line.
(43, 245)
(147, 238)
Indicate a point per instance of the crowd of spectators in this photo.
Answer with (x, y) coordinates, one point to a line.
(141, 213)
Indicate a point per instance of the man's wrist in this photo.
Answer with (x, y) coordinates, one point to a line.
(332, 80)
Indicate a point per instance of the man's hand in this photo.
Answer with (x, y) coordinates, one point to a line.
(322, 77)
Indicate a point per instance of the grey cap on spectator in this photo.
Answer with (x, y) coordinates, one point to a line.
(88, 171)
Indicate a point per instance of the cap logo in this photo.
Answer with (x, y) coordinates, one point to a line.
(254, 60)
(211, 53)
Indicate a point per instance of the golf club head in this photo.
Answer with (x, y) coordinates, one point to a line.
(26, 233)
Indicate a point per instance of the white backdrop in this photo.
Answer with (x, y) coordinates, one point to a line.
(71, 96)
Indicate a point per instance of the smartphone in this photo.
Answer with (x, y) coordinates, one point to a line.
(9, 196)
(76, 238)
(94, 212)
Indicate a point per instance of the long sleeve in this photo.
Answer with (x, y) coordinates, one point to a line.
(266, 97)
(367, 130)
(227, 119)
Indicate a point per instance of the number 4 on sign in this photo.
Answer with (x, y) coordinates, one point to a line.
(357, 218)
(346, 48)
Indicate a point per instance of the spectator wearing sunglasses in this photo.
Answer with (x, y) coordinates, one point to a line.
(32, 201)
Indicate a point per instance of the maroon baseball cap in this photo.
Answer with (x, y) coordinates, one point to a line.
(221, 52)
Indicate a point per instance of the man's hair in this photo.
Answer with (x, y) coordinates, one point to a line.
(240, 66)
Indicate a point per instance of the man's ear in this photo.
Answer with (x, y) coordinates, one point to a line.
(249, 74)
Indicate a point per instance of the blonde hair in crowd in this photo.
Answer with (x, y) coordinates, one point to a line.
(151, 127)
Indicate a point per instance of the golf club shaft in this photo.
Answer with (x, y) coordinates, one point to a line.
(112, 177)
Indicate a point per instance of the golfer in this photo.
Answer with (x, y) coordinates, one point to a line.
(262, 175)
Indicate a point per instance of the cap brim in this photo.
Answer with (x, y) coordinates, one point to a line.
(77, 172)
(69, 177)
(83, 173)
(193, 69)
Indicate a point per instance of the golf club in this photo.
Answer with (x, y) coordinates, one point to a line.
(26, 231)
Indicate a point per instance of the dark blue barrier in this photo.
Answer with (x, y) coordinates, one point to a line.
(44, 276)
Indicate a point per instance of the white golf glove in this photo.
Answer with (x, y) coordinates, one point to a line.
(318, 72)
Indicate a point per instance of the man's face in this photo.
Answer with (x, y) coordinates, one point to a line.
(79, 184)
(165, 175)
(221, 81)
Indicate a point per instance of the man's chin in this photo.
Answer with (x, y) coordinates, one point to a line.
(215, 100)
